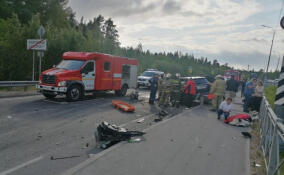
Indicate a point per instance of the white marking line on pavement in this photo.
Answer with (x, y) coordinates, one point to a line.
(21, 166)
(134, 121)
(92, 159)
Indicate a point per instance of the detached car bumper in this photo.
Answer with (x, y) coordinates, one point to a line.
(52, 89)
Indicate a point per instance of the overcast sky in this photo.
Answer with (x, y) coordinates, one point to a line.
(227, 30)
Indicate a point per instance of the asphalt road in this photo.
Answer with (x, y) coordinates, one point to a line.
(193, 142)
(32, 129)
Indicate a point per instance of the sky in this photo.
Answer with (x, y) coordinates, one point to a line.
(227, 30)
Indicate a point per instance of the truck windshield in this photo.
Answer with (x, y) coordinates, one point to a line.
(148, 74)
(70, 64)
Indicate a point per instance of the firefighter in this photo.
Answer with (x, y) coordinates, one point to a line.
(175, 91)
(218, 89)
(154, 87)
(190, 93)
(165, 91)
(159, 85)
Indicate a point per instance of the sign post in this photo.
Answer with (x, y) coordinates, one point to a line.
(39, 45)
(40, 32)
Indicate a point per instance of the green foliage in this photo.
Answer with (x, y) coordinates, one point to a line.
(19, 21)
(270, 93)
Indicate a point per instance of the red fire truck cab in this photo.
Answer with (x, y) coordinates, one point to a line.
(81, 72)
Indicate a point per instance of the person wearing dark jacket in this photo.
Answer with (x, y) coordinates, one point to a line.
(232, 88)
(190, 92)
(154, 86)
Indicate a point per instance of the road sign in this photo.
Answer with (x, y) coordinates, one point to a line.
(36, 44)
(190, 69)
(282, 22)
(41, 31)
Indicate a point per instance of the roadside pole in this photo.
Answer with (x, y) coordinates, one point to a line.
(40, 32)
(279, 99)
(40, 45)
(33, 78)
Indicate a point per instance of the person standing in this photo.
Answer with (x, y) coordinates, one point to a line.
(232, 87)
(243, 86)
(154, 86)
(218, 89)
(225, 108)
(165, 91)
(249, 91)
(190, 92)
(161, 78)
(257, 96)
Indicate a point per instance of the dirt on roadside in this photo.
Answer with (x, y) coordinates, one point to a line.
(256, 157)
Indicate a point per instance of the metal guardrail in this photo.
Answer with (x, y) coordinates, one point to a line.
(17, 83)
(271, 133)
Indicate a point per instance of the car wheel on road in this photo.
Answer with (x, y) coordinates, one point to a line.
(74, 93)
(49, 95)
(122, 91)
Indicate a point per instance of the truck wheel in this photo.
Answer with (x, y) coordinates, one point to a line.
(122, 91)
(49, 95)
(74, 93)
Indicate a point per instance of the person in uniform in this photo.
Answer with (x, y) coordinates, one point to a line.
(218, 89)
(161, 78)
(232, 88)
(165, 91)
(175, 91)
(154, 86)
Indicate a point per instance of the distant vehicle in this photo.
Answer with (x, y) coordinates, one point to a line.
(202, 84)
(229, 73)
(83, 72)
(143, 80)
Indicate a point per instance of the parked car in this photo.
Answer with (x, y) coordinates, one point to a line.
(143, 79)
(81, 72)
(202, 85)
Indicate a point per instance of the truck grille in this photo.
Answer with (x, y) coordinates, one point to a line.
(48, 79)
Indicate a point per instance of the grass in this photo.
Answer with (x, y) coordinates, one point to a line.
(270, 93)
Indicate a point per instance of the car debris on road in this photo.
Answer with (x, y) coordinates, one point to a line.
(67, 157)
(107, 135)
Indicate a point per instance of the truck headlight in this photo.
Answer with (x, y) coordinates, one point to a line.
(62, 83)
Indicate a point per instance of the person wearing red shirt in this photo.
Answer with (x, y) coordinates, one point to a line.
(190, 92)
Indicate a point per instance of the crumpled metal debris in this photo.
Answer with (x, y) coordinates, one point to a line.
(107, 135)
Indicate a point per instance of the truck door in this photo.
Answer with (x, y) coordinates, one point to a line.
(89, 76)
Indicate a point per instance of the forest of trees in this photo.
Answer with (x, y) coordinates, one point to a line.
(20, 19)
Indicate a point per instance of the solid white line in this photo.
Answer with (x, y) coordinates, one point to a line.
(21, 166)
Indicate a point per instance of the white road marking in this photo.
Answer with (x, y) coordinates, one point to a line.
(21, 166)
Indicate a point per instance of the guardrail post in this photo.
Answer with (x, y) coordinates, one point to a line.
(274, 153)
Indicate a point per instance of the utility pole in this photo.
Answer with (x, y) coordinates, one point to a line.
(270, 51)
(269, 57)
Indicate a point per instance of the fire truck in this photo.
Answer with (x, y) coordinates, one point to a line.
(85, 72)
(229, 73)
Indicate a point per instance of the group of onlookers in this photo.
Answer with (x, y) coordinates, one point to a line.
(252, 92)
(223, 92)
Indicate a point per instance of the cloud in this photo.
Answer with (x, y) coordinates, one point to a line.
(225, 29)
(171, 6)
